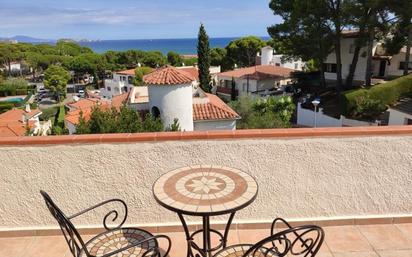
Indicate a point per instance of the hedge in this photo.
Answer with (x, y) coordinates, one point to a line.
(386, 93)
(5, 106)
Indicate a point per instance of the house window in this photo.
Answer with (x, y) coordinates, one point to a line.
(402, 65)
(130, 80)
(277, 64)
(109, 89)
(408, 121)
(296, 66)
(330, 67)
(244, 87)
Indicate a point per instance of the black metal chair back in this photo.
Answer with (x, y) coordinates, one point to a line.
(302, 241)
(70, 233)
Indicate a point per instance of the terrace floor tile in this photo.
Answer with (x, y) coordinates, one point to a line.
(346, 239)
(385, 237)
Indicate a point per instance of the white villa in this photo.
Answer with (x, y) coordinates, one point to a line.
(261, 80)
(383, 65)
(268, 56)
(122, 82)
(18, 122)
(169, 93)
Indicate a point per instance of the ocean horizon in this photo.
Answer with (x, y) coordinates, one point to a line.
(181, 46)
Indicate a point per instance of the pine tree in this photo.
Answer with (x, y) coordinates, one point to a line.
(203, 52)
(233, 93)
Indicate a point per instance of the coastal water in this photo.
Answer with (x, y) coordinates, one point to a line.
(181, 46)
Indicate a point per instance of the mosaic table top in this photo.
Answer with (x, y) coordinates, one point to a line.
(203, 189)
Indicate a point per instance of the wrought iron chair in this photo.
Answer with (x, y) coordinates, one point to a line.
(302, 241)
(117, 241)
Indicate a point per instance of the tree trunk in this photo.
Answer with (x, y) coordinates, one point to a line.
(355, 59)
(9, 71)
(408, 52)
(368, 72)
(322, 73)
(338, 64)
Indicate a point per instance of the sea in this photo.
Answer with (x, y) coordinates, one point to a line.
(181, 46)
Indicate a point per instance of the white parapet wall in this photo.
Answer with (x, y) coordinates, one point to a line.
(306, 117)
(306, 178)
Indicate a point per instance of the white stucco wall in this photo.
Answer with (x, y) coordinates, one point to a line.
(347, 60)
(298, 178)
(173, 101)
(398, 118)
(393, 68)
(215, 125)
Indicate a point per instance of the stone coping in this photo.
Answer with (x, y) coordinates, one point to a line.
(207, 135)
(239, 225)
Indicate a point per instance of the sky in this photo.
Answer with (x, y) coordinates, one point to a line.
(133, 19)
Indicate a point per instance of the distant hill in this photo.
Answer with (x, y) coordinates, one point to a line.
(26, 39)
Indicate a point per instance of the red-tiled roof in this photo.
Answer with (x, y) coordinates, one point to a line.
(130, 72)
(84, 103)
(193, 71)
(17, 114)
(12, 129)
(118, 100)
(259, 72)
(214, 109)
(73, 116)
(168, 76)
(11, 122)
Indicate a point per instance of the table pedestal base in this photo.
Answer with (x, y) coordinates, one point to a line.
(193, 250)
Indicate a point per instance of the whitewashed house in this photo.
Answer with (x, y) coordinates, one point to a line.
(172, 96)
(122, 82)
(268, 56)
(261, 80)
(383, 65)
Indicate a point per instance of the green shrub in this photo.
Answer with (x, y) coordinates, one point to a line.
(5, 106)
(387, 94)
(49, 113)
(367, 108)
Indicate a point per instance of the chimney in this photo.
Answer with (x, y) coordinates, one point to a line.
(27, 109)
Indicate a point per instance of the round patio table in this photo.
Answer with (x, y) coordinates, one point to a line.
(205, 191)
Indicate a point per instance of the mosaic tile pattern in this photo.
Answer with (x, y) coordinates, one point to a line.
(240, 250)
(205, 189)
(118, 239)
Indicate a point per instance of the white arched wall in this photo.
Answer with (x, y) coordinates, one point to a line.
(173, 101)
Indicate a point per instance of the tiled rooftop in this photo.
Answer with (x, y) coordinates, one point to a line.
(214, 109)
(383, 240)
(168, 76)
(259, 72)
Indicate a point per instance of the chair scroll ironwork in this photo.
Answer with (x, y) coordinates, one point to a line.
(116, 241)
(304, 241)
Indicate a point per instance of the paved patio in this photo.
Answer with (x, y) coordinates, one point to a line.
(341, 241)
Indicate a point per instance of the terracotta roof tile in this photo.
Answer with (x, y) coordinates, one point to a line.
(214, 109)
(118, 100)
(130, 72)
(193, 71)
(11, 129)
(168, 76)
(84, 103)
(16, 115)
(259, 72)
(73, 116)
